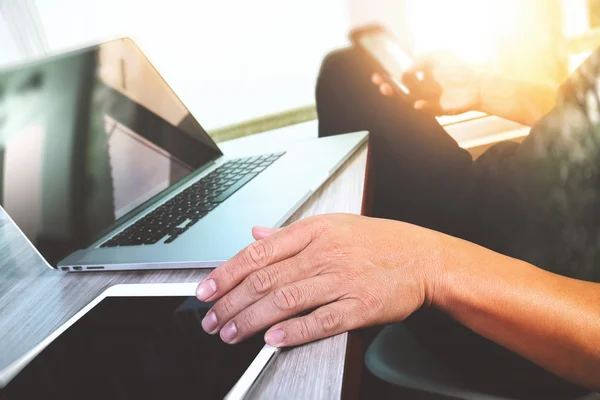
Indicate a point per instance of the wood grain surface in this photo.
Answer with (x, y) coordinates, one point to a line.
(35, 300)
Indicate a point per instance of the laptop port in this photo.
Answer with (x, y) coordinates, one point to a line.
(64, 269)
(93, 268)
(77, 268)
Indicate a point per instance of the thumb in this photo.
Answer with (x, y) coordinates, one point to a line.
(422, 105)
(261, 232)
(428, 107)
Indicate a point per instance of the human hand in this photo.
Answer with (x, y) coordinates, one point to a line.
(352, 271)
(439, 84)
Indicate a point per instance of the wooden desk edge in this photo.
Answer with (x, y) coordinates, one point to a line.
(66, 294)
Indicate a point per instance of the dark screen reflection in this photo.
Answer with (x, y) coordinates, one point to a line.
(136, 348)
(86, 138)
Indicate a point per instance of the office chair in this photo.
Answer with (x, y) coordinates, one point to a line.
(398, 358)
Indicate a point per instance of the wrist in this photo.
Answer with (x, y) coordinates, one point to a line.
(445, 270)
(459, 274)
(466, 275)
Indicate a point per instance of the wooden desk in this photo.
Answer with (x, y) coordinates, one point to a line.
(35, 300)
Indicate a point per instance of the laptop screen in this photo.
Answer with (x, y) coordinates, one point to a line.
(86, 138)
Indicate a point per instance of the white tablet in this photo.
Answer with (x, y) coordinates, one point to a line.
(138, 342)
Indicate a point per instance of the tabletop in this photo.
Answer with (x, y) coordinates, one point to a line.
(35, 300)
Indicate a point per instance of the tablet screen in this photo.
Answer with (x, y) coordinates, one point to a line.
(136, 348)
(388, 52)
(384, 48)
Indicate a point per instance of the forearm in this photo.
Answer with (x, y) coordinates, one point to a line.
(549, 319)
(521, 102)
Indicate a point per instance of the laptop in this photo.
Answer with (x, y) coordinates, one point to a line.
(102, 167)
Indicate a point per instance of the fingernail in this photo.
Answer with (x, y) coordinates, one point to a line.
(206, 290)
(210, 323)
(262, 232)
(275, 337)
(229, 332)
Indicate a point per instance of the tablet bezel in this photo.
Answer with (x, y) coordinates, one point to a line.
(355, 37)
(239, 390)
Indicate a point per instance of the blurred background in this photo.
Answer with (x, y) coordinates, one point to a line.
(232, 61)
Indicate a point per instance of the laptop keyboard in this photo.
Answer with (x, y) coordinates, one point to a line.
(177, 215)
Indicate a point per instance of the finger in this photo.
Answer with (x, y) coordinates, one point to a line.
(386, 89)
(261, 232)
(421, 105)
(283, 303)
(326, 321)
(428, 90)
(428, 107)
(255, 287)
(377, 79)
(410, 80)
(284, 244)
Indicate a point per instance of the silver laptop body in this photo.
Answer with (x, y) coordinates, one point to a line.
(103, 168)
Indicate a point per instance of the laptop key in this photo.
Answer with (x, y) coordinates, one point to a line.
(234, 188)
(171, 239)
(206, 207)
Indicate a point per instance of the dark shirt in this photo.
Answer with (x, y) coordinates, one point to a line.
(540, 200)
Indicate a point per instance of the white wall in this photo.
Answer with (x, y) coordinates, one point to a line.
(9, 53)
(390, 13)
(229, 60)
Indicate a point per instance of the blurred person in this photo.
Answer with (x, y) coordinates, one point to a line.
(492, 263)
